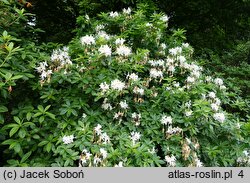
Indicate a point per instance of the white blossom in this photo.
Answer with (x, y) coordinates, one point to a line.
(166, 120)
(98, 129)
(163, 46)
(218, 81)
(127, 11)
(164, 18)
(154, 73)
(219, 117)
(133, 77)
(123, 104)
(171, 160)
(68, 139)
(104, 153)
(117, 85)
(188, 113)
(96, 160)
(214, 107)
(87, 40)
(103, 34)
(190, 79)
(105, 138)
(105, 49)
(99, 27)
(211, 95)
(114, 14)
(104, 87)
(198, 163)
(175, 51)
(120, 164)
(123, 50)
(185, 45)
(135, 136)
(119, 41)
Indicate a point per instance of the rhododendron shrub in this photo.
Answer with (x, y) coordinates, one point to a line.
(129, 93)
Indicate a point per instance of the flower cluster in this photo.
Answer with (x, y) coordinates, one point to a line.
(68, 139)
(171, 160)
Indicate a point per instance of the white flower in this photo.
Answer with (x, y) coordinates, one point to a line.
(68, 139)
(97, 160)
(45, 74)
(175, 51)
(87, 17)
(208, 78)
(103, 35)
(105, 49)
(166, 120)
(188, 113)
(171, 68)
(136, 116)
(163, 46)
(123, 50)
(137, 90)
(171, 160)
(176, 84)
(198, 163)
(98, 129)
(217, 101)
(105, 138)
(211, 95)
(218, 81)
(188, 104)
(123, 104)
(188, 140)
(117, 85)
(126, 11)
(107, 106)
(119, 41)
(164, 18)
(88, 155)
(120, 164)
(103, 153)
(154, 73)
(113, 14)
(133, 77)
(99, 27)
(135, 136)
(214, 107)
(185, 45)
(223, 87)
(149, 25)
(87, 40)
(190, 79)
(84, 115)
(104, 87)
(219, 117)
(42, 67)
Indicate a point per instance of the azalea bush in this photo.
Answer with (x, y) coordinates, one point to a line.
(125, 92)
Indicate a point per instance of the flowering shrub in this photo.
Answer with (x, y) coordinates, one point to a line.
(127, 93)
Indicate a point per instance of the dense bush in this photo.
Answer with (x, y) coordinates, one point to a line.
(125, 93)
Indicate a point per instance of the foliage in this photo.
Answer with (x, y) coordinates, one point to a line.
(125, 93)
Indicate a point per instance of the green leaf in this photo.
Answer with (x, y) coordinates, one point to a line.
(28, 116)
(43, 143)
(17, 120)
(48, 147)
(47, 107)
(3, 109)
(22, 133)
(14, 130)
(17, 148)
(26, 156)
(40, 108)
(50, 115)
(16, 77)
